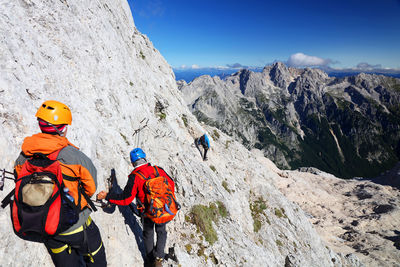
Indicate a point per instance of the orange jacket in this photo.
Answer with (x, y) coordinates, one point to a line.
(76, 167)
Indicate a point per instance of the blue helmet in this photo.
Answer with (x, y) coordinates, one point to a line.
(136, 154)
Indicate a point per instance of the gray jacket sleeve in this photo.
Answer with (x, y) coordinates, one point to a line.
(73, 156)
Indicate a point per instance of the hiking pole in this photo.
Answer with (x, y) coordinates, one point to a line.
(3, 177)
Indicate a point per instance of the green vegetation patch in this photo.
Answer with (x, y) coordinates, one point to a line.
(319, 148)
(215, 135)
(188, 248)
(142, 55)
(225, 185)
(185, 120)
(162, 116)
(257, 211)
(280, 213)
(266, 138)
(203, 216)
(222, 209)
(125, 139)
(187, 218)
(159, 110)
(201, 250)
(213, 168)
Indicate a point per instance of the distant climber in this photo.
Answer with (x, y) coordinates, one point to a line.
(205, 143)
(157, 206)
(73, 180)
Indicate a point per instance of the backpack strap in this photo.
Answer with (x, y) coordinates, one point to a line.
(156, 172)
(88, 200)
(141, 175)
(81, 191)
(7, 199)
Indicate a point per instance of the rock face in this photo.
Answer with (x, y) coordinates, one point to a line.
(303, 117)
(123, 94)
(353, 216)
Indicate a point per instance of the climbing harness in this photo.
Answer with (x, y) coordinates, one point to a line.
(67, 247)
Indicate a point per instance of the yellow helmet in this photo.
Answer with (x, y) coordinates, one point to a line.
(54, 112)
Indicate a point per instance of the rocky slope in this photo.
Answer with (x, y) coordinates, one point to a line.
(123, 94)
(352, 216)
(303, 117)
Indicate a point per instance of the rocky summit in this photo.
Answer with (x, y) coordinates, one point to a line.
(123, 94)
(347, 126)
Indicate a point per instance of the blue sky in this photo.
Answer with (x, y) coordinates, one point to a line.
(212, 33)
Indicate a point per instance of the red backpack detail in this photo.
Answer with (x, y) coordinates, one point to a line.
(41, 208)
(160, 202)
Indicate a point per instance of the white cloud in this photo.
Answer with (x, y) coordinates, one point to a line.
(188, 67)
(221, 67)
(366, 66)
(302, 60)
(236, 66)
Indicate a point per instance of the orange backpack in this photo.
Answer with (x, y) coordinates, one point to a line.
(160, 202)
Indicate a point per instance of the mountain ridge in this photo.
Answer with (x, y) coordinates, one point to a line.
(189, 74)
(301, 112)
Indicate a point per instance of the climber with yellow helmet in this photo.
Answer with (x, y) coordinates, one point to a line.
(82, 239)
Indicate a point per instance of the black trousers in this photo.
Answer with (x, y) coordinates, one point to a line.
(205, 153)
(148, 238)
(201, 141)
(77, 249)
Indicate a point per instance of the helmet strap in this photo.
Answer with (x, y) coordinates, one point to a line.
(56, 129)
(60, 133)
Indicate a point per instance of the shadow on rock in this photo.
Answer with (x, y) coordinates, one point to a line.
(130, 218)
(395, 239)
(390, 177)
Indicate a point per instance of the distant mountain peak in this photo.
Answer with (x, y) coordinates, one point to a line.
(280, 75)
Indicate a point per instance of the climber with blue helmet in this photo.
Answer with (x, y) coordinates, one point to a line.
(137, 154)
(205, 143)
(137, 187)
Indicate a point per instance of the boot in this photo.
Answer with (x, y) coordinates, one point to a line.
(158, 262)
(149, 261)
